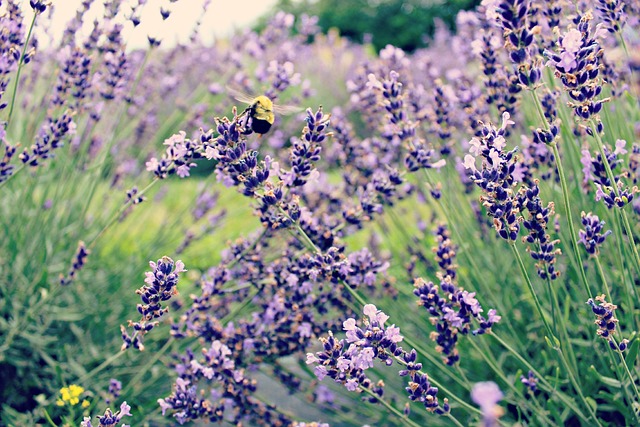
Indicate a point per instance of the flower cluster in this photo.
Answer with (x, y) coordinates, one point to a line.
(346, 360)
(446, 252)
(452, 313)
(178, 157)
(109, 418)
(6, 168)
(530, 381)
(161, 285)
(79, 260)
(542, 248)
(442, 125)
(592, 236)
(612, 14)
(231, 400)
(113, 392)
(606, 321)
(11, 43)
(577, 64)
(400, 128)
(594, 170)
(51, 136)
(70, 395)
(306, 150)
(496, 177)
(513, 16)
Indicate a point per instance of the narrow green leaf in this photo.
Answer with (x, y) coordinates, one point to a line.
(611, 382)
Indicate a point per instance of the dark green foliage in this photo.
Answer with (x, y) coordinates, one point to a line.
(406, 24)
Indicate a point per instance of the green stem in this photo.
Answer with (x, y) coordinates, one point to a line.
(387, 405)
(248, 249)
(15, 172)
(100, 367)
(454, 419)
(603, 277)
(490, 360)
(625, 219)
(565, 194)
(567, 208)
(20, 64)
(532, 291)
(631, 380)
(136, 379)
(106, 150)
(627, 276)
(632, 85)
(115, 217)
(48, 418)
(305, 238)
(577, 387)
(529, 366)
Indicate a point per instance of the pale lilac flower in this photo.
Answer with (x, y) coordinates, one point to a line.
(470, 162)
(620, 144)
(487, 395)
(572, 41)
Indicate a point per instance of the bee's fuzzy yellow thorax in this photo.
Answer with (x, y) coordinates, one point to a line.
(264, 102)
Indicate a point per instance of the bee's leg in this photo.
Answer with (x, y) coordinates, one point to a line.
(243, 120)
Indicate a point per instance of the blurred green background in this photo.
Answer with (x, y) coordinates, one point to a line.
(405, 24)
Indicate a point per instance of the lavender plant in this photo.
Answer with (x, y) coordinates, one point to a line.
(292, 236)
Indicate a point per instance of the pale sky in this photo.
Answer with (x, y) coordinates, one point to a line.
(222, 17)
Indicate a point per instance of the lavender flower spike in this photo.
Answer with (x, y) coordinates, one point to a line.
(592, 237)
(79, 260)
(109, 419)
(606, 321)
(346, 360)
(161, 285)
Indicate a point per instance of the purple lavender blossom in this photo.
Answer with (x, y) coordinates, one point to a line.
(612, 14)
(161, 285)
(446, 252)
(306, 150)
(6, 168)
(487, 395)
(11, 42)
(513, 16)
(496, 177)
(594, 170)
(530, 381)
(51, 136)
(542, 248)
(115, 387)
(592, 236)
(452, 313)
(109, 418)
(607, 322)
(347, 360)
(79, 260)
(576, 62)
(177, 158)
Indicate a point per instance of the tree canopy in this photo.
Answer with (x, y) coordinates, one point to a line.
(403, 23)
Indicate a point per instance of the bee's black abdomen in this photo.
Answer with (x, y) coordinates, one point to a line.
(260, 126)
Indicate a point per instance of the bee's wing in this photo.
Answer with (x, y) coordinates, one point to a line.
(239, 95)
(286, 109)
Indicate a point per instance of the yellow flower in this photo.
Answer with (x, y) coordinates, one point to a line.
(85, 403)
(70, 394)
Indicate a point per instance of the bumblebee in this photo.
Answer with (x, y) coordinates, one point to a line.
(261, 110)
